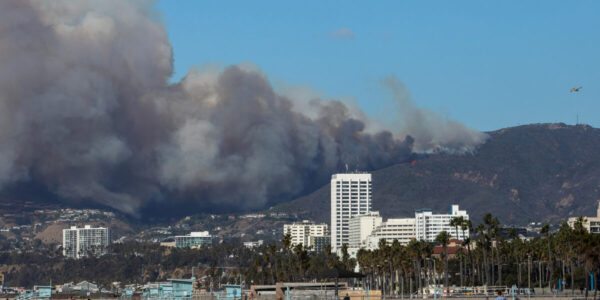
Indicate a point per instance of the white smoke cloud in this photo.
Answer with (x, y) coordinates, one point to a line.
(86, 110)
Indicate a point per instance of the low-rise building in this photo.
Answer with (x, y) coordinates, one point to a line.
(253, 244)
(401, 229)
(591, 224)
(429, 225)
(453, 248)
(361, 226)
(319, 243)
(193, 240)
(300, 232)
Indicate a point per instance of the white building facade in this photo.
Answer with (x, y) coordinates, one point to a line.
(360, 227)
(301, 232)
(195, 239)
(351, 195)
(429, 225)
(79, 242)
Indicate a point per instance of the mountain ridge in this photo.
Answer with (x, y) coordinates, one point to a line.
(539, 172)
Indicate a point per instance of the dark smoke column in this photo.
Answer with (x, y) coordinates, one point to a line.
(86, 111)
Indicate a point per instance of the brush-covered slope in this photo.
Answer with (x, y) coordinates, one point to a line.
(540, 172)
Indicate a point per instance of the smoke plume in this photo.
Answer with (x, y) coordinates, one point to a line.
(87, 111)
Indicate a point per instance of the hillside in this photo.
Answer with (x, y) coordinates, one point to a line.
(541, 172)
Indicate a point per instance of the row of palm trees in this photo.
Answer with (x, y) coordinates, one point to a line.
(569, 255)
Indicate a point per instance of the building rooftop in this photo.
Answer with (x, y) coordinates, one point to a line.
(200, 234)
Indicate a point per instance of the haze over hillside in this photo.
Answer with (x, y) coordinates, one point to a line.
(88, 116)
(539, 172)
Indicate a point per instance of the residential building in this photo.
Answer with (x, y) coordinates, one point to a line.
(351, 195)
(401, 229)
(79, 242)
(453, 248)
(360, 227)
(193, 240)
(591, 224)
(429, 225)
(253, 244)
(319, 243)
(301, 232)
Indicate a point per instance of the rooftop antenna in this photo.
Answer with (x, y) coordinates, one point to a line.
(346, 168)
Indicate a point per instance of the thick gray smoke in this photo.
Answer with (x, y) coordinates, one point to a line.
(87, 111)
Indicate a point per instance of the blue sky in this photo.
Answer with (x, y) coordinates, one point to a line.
(488, 64)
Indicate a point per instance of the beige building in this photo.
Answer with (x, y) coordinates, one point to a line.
(401, 229)
(301, 232)
(592, 224)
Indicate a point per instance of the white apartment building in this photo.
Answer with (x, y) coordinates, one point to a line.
(429, 225)
(350, 196)
(79, 242)
(301, 232)
(591, 224)
(401, 229)
(360, 227)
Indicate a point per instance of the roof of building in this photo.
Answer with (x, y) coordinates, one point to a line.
(437, 250)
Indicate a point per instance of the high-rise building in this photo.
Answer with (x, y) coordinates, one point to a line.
(301, 232)
(591, 224)
(79, 242)
(193, 240)
(350, 196)
(429, 225)
(360, 227)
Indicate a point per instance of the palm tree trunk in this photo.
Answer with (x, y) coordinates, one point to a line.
(540, 274)
(499, 268)
(493, 282)
(550, 266)
(519, 272)
(586, 283)
(572, 271)
(446, 273)
(461, 271)
(595, 287)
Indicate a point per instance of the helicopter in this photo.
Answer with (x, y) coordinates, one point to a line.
(575, 89)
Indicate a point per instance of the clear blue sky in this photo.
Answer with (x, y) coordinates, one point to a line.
(488, 64)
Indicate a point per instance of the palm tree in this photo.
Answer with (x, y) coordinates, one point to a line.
(546, 231)
(443, 238)
(345, 256)
(286, 241)
(468, 225)
(483, 244)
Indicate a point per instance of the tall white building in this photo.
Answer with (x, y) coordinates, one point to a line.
(401, 229)
(79, 242)
(350, 196)
(360, 227)
(429, 225)
(301, 232)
